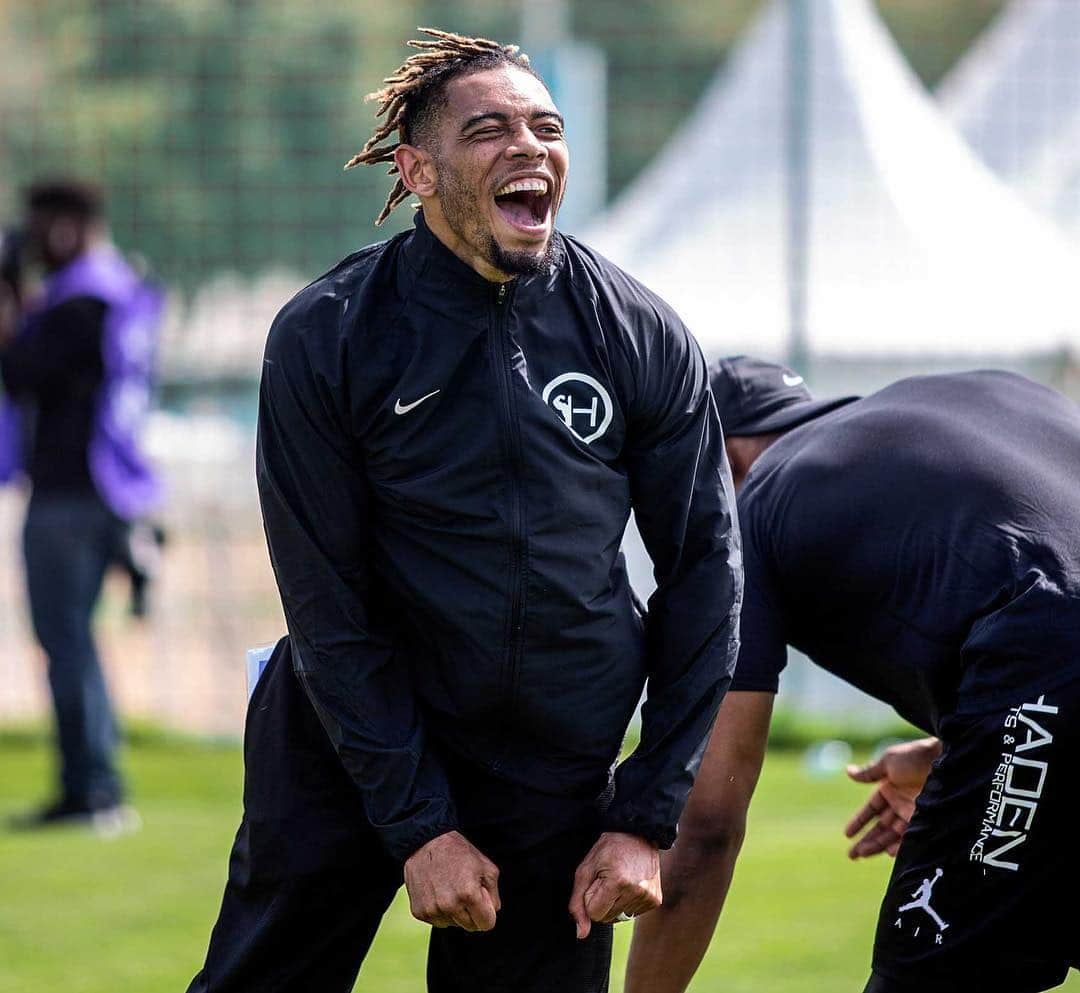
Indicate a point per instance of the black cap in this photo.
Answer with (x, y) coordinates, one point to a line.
(758, 397)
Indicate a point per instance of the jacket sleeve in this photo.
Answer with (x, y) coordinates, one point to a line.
(316, 512)
(684, 506)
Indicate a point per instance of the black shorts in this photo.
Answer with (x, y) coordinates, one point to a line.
(309, 881)
(983, 894)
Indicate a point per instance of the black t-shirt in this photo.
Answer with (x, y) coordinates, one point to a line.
(55, 374)
(922, 543)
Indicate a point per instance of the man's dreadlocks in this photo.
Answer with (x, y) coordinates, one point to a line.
(408, 97)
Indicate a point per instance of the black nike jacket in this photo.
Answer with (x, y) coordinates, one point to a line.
(446, 467)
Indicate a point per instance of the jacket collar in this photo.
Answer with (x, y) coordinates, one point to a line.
(440, 270)
(438, 267)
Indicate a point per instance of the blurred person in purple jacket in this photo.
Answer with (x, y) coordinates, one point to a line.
(76, 362)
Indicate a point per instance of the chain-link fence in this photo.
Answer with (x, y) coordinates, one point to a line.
(218, 131)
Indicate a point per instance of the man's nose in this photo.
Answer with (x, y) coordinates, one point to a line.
(525, 144)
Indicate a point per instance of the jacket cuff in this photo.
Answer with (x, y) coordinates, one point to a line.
(403, 840)
(661, 835)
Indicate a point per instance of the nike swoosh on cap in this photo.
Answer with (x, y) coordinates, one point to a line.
(404, 408)
(792, 380)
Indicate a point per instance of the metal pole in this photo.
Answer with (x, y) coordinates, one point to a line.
(797, 200)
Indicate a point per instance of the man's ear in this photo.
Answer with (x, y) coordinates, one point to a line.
(417, 170)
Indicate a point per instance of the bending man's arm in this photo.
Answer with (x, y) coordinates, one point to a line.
(315, 505)
(669, 943)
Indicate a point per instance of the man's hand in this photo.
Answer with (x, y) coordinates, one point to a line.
(452, 884)
(620, 875)
(900, 773)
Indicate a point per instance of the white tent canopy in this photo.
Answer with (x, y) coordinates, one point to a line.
(1015, 97)
(913, 246)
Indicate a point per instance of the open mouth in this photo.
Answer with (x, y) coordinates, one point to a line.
(525, 204)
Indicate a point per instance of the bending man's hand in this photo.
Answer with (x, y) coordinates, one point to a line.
(900, 773)
(620, 875)
(452, 884)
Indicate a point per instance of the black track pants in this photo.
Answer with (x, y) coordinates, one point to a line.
(983, 885)
(309, 881)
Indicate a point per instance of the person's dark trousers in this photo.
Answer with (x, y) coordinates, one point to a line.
(533, 946)
(309, 880)
(68, 540)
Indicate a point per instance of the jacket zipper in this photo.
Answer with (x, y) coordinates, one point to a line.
(518, 539)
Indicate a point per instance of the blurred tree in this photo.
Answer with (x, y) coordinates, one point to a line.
(933, 34)
(219, 127)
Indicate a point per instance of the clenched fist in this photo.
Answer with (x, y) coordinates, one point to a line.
(452, 884)
(620, 875)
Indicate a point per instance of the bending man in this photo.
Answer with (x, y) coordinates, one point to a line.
(922, 543)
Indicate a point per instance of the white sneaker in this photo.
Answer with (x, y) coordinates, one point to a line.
(111, 822)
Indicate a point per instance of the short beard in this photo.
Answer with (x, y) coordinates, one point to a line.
(460, 204)
(520, 263)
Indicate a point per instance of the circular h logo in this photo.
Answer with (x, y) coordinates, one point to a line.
(582, 403)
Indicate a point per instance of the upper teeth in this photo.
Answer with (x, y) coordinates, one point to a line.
(523, 185)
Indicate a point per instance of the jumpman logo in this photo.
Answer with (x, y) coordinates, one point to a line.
(922, 900)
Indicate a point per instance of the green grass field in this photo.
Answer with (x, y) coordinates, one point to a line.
(83, 915)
